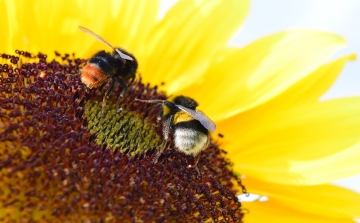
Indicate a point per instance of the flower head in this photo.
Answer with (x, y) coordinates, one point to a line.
(63, 158)
(264, 98)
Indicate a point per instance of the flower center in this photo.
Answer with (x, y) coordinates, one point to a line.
(62, 160)
(123, 130)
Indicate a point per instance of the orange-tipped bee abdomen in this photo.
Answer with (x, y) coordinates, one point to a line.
(92, 76)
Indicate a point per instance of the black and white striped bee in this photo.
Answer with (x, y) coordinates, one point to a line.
(188, 126)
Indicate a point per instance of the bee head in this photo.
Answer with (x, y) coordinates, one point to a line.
(184, 101)
(169, 107)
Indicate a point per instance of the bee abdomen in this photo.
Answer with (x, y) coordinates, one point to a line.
(92, 76)
(190, 141)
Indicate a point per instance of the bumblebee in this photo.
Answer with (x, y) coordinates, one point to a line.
(188, 126)
(119, 66)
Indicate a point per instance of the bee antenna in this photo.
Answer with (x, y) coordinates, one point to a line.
(150, 101)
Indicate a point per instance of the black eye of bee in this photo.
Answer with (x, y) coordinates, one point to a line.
(172, 107)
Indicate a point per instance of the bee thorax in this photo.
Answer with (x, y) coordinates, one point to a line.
(190, 141)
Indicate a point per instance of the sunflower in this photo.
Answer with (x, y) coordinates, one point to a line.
(286, 144)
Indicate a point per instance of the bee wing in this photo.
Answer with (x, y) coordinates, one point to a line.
(201, 117)
(123, 55)
(96, 36)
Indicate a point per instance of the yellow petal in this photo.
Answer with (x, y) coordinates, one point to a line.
(273, 212)
(45, 25)
(274, 144)
(180, 47)
(292, 129)
(5, 15)
(313, 86)
(262, 70)
(343, 164)
(322, 201)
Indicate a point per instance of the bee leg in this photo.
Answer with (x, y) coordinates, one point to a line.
(124, 86)
(197, 171)
(106, 95)
(158, 119)
(163, 147)
(195, 166)
(196, 159)
(131, 81)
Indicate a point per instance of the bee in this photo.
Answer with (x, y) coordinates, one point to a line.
(188, 126)
(119, 66)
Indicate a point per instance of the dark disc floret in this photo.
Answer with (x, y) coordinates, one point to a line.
(62, 160)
